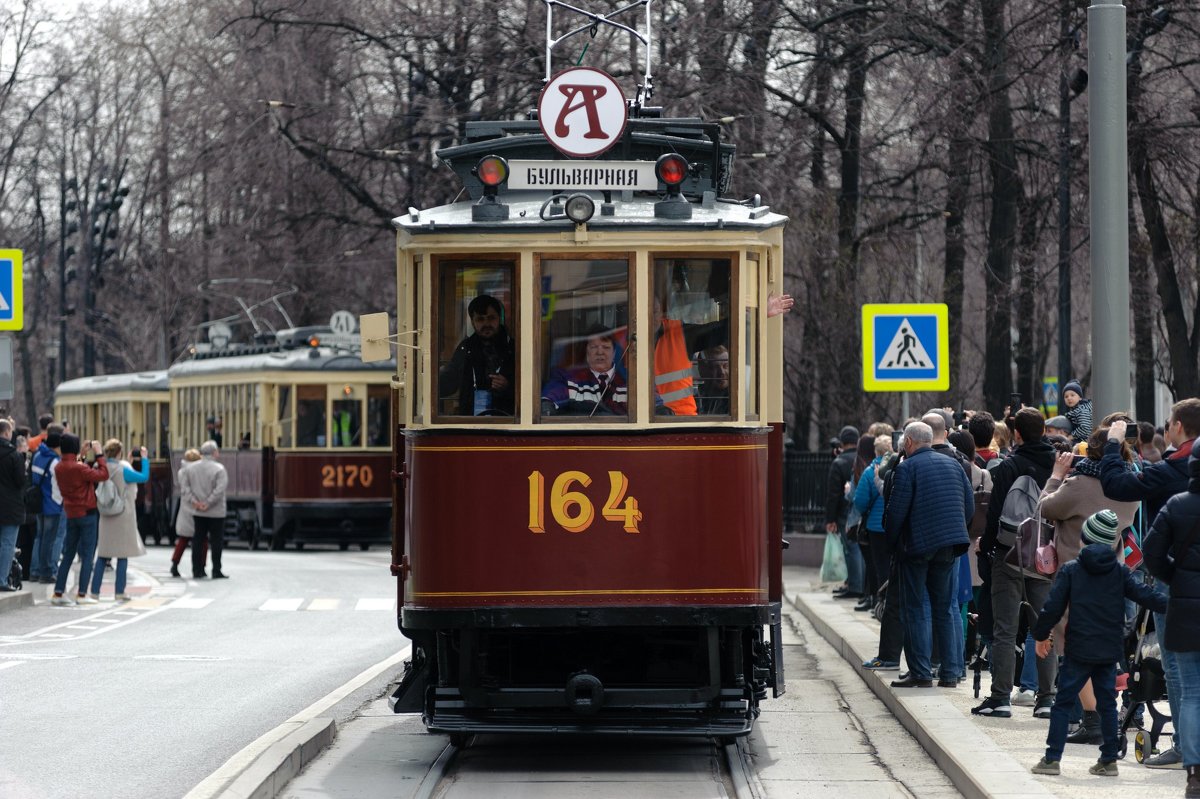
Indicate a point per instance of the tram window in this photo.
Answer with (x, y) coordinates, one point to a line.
(585, 365)
(164, 428)
(691, 336)
(310, 416)
(379, 416)
(477, 359)
(347, 422)
(285, 417)
(750, 340)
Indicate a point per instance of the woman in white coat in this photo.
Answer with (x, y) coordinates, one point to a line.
(119, 536)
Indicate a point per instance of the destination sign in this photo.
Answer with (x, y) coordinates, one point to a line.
(583, 175)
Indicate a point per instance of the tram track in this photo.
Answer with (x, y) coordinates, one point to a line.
(729, 768)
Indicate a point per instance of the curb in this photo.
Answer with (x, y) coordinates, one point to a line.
(16, 601)
(282, 760)
(976, 766)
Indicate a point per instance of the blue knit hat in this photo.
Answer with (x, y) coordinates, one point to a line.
(1102, 527)
(1073, 385)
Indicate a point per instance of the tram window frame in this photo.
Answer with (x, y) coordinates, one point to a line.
(446, 270)
(732, 259)
(748, 366)
(357, 398)
(285, 419)
(380, 394)
(542, 369)
(322, 440)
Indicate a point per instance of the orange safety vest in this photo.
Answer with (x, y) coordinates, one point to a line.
(673, 369)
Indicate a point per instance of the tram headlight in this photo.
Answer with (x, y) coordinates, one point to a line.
(579, 208)
(671, 169)
(492, 170)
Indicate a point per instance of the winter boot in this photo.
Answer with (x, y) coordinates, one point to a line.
(1089, 731)
(1193, 783)
(175, 568)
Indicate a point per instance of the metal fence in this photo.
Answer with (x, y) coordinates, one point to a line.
(805, 480)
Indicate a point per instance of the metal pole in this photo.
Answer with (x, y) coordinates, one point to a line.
(1108, 174)
(1065, 372)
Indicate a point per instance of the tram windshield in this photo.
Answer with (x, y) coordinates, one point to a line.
(585, 369)
(476, 351)
(691, 336)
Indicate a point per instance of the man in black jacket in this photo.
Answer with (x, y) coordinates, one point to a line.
(1172, 552)
(12, 500)
(1032, 456)
(1153, 486)
(837, 506)
(483, 368)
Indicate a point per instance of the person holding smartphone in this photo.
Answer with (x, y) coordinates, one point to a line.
(77, 481)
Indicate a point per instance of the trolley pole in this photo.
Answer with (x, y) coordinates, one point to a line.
(1108, 174)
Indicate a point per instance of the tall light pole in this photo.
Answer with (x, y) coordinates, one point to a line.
(65, 230)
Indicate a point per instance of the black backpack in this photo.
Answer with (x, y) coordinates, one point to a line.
(33, 492)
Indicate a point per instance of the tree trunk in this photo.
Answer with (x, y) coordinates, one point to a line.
(958, 188)
(1142, 296)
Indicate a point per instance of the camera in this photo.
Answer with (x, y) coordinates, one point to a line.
(897, 437)
(1131, 431)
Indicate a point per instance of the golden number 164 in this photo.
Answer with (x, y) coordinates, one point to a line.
(572, 510)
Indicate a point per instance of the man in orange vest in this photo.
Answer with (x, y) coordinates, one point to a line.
(674, 342)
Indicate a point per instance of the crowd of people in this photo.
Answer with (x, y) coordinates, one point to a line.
(1025, 547)
(64, 499)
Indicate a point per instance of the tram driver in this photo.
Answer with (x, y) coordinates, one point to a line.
(596, 388)
(482, 370)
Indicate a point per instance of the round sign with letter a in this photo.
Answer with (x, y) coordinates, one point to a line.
(582, 112)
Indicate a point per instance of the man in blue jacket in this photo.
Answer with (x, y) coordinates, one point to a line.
(926, 524)
(1153, 486)
(51, 524)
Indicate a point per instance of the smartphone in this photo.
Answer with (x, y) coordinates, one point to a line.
(897, 437)
(1014, 401)
(1131, 432)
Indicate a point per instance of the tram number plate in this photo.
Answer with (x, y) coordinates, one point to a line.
(347, 475)
(573, 510)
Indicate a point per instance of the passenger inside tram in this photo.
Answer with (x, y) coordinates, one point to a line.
(598, 387)
(482, 371)
(713, 366)
(687, 323)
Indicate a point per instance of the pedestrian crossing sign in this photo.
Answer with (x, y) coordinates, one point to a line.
(906, 347)
(11, 264)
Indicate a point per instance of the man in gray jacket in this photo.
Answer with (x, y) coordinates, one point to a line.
(202, 485)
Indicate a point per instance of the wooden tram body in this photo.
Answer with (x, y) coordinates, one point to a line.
(134, 409)
(295, 474)
(590, 573)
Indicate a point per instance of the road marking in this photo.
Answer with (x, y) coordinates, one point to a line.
(107, 621)
(9, 664)
(57, 635)
(368, 603)
(81, 627)
(281, 604)
(39, 656)
(202, 658)
(324, 604)
(215, 783)
(125, 613)
(191, 602)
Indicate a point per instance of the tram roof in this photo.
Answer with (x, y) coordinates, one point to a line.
(306, 359)
(112, 384)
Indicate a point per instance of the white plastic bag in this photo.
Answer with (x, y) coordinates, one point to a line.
(833, 566)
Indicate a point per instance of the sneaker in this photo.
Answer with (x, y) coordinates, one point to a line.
(1025, 698)
(121, 597)
(59, 599)
(876, 663)
(995, 708)
(1045, 766)
(1104, 768)
(1170, 758)
(85, 600)
(1042, 709)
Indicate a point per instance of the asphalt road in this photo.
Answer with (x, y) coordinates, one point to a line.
(147, 698)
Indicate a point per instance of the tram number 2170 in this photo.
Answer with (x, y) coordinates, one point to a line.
(573, 510)
(348, 475)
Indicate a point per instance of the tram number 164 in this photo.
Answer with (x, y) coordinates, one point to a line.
(573, 510)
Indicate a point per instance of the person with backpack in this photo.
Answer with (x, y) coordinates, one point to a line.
(12, 501)
(51, 527)
(77, 481)
(1154, 485)
(1017, 484)
(116, 502)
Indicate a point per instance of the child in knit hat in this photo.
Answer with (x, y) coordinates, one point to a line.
(1079, 411)
(1094, 586)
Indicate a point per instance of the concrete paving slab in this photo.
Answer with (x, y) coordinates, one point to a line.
(606, 790)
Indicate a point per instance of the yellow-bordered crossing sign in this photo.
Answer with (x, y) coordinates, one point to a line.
(11, 310)
(906, 347)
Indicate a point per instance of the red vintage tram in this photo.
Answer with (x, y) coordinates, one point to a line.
(592, 543)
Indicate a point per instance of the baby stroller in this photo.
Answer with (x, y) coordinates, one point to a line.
(1147, 685)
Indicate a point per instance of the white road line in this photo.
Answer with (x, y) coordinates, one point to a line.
(324, 604)
(125, 613)
(106, 621)
(81, 627)
(57, 635)
(215, 783)
(8, 664)
(369, 603)
(281, 604)
(191, 603)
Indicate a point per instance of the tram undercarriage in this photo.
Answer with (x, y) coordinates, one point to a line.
(690, 671)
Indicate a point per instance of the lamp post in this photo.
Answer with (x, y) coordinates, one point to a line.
(65, 231)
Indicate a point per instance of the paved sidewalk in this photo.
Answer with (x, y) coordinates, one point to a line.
(984, 757)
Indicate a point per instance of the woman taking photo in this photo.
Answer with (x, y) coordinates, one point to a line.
(119, 536)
